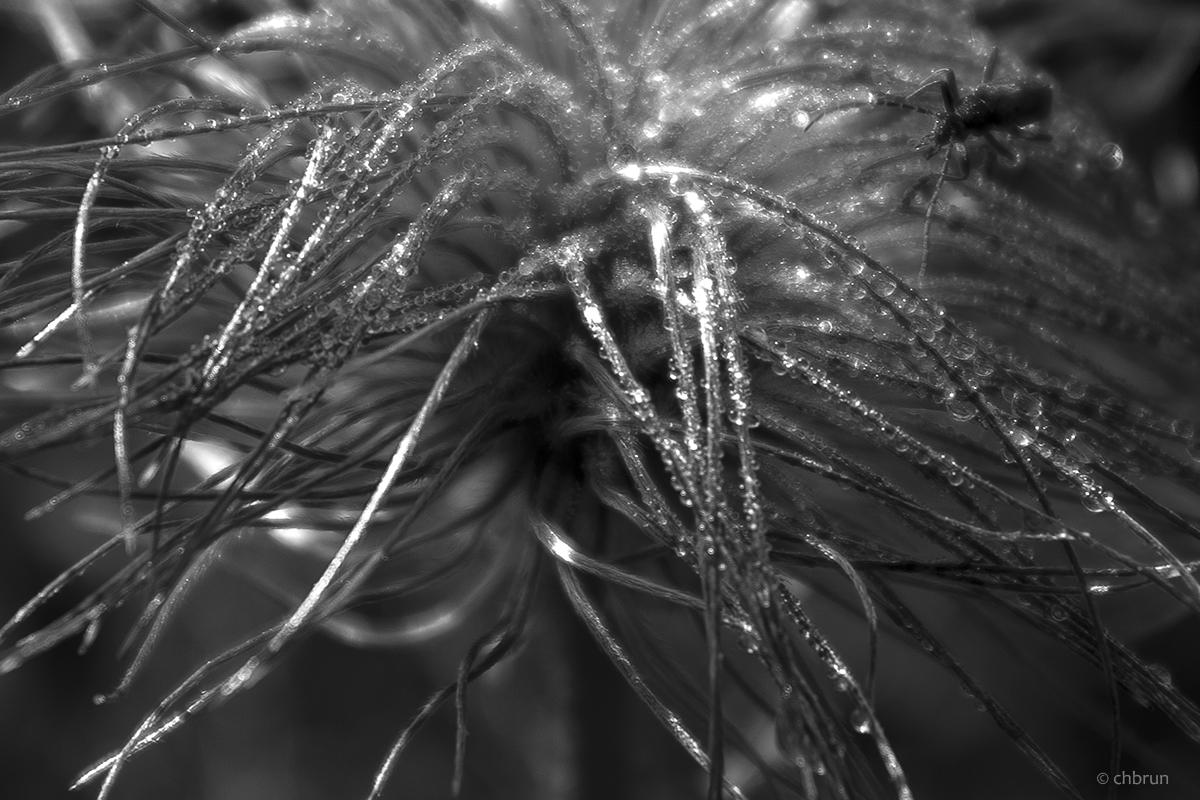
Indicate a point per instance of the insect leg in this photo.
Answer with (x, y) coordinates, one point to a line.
(918, 187)
(989, 69)
(893, 101)
(950, 94)
(964, 161)
(937, 188)
(945, 79)
(1004, 150)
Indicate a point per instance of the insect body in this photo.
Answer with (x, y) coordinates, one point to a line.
(987, 109)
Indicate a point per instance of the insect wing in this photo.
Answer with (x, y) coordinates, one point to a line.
(1018, 103)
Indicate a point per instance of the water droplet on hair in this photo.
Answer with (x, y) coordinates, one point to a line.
(1161, 673)
(1021, 437)
(1096, 502)
(961, 410)
(1112, 157)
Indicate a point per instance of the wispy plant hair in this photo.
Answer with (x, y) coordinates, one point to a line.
(451, 302)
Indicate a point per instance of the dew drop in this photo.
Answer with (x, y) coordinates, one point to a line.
(860, 720)
(1097, 502)
(1025, 405)
(1161, 674)
(89, 635)
(961, 410)
(629, 170)
(1021, 437)
(1183, 427)
(1112, 157)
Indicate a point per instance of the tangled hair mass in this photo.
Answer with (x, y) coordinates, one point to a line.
(561, 353)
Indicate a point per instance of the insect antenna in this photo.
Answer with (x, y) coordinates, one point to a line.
(875, 101)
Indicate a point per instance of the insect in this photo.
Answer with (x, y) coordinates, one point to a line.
(989, 108)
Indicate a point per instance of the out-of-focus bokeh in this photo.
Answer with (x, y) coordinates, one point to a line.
(1137, 63)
